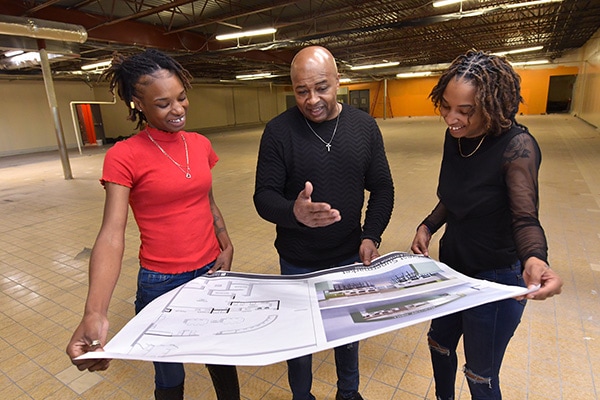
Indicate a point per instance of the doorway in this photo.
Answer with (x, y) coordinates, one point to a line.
(560, 93)
(360, 99)
(91, 127)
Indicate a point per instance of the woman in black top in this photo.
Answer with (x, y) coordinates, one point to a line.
(488, 200)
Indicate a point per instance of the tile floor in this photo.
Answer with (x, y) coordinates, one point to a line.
(49, 224)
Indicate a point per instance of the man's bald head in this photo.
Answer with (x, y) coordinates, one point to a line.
(315, 58)
(315, 81)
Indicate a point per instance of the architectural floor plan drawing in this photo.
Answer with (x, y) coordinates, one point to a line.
(208, 317)
(233, 318)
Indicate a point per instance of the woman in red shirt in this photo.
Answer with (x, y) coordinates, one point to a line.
(164, 174)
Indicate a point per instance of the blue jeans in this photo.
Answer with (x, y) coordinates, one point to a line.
(169, 375)
(346, 357)
(486, 331)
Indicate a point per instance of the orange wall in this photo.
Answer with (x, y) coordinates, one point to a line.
(408, 97)
(534, 87)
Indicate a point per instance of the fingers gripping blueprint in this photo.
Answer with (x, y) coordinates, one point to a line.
(249, 319)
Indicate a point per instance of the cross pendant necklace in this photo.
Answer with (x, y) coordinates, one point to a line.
(327, 144)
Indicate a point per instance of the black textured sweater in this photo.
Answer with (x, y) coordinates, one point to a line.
(291, 154)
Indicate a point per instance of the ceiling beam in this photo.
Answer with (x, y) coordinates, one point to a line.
(149, 11)
(228, 17)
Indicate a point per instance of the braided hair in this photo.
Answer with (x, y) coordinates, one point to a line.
(498, 88)
(126, 72)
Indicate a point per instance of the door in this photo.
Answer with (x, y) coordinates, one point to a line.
(90, 124)
(360, 99)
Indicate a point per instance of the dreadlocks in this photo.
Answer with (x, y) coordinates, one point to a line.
(498, 87)
(125, 73)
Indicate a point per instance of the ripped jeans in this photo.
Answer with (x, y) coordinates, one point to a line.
(486, 331)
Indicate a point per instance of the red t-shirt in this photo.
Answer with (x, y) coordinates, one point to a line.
(172, 212)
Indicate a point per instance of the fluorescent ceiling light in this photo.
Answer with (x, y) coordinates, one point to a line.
(96, 65)
(253, 76)
(413, 74)
(382, 65)
(503, 53)
(30, 57)
(13, 53)
(530, 3)
(242, 34)
(345, 80)
(534, 62)
(443, 3)
(474, 13)
(480, 11)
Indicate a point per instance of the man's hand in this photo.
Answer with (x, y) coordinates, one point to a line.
(311, 214)
(368, 251)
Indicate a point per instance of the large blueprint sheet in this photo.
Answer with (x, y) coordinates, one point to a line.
(250, 319)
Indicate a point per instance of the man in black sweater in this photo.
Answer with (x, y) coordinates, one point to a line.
(314, 164)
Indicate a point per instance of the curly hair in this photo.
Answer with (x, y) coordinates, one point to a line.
(125, 73)
(498, 88)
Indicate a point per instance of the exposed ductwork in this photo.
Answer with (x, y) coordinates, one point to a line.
(20, 33)
(42, 29)
(53, 32)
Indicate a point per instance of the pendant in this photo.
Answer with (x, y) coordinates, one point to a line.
(328, 147)
(188, 175)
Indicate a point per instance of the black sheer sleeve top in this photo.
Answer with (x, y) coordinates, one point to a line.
(488, 201)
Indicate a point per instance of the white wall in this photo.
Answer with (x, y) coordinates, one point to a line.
(211, 106)
(26, 124)
(587, 87)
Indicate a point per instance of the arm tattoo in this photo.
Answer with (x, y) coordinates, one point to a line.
(216, 220)
(519, 147)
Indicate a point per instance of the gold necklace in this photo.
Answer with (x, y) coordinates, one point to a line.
(187, 172)
(471, 153)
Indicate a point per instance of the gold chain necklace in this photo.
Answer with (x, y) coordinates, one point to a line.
(471, 153)
(187, 172)
(327, 144)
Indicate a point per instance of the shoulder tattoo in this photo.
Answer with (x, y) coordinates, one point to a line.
(519, 147)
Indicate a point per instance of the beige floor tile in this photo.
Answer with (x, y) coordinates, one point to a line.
(415, 384)
(85, 382)
(49, 225)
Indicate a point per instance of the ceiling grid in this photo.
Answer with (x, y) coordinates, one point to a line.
(411, 32)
